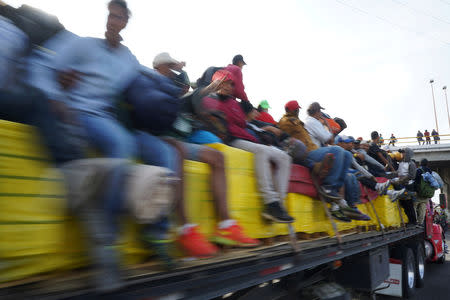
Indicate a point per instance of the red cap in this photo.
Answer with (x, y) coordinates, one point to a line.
(222, 74)
(292, 105)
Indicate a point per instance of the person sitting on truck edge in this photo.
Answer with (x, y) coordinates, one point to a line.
(106, 78)
(319, 157)
(60, 129)
(322, 135)
(235, 68)
(228, 230)
(270, 135)
(273, 186)
(380, 155)
(264, 116)
(364, 176)
(24, 103)
(373, 166)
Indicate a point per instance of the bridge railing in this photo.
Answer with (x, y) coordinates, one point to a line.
(413, 140)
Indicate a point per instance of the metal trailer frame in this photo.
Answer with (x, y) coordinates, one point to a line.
(216, 279)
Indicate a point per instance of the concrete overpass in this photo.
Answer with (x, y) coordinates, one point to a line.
(437, 154)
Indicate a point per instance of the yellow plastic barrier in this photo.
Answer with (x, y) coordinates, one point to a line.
(244, 200)
(200, 207)
(308, 213)
(388, 212)
(34, 225)
(36, 234)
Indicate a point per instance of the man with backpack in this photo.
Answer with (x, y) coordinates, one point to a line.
(235, 68)
(426, 185)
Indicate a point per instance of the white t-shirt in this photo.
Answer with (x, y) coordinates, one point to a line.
(403, 169)
(318, 132)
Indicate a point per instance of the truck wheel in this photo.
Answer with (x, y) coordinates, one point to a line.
(419, 254)
(408, 273)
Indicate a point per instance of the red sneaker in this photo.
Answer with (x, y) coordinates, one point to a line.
(195, 244)
(233, 236)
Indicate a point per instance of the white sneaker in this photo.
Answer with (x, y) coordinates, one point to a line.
(393, 195)
(381, 188)
(342, 203)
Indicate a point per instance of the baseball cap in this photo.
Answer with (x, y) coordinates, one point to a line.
(164, 58)
(264, 104)
(344, 139)
(238, 58)
(222, 74)
(314, 107)
(292, 105)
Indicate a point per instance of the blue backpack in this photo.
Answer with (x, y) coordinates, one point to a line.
(153, 102)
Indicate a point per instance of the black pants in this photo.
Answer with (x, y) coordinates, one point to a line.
(410, 212)
(368, 182)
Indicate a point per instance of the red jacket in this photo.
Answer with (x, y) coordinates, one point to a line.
(235, 116)
(266, 117)
(239, 91)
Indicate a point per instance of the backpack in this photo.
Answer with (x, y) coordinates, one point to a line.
(206, 77)
(426, 190)
(154, 102)
(35, 23)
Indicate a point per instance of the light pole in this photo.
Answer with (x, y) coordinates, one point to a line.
(446, 101)
(434, 105)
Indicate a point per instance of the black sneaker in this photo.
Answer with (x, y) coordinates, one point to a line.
(274, 212)
(339, 215)
(158, 241)
(329, 192)
(356, 214)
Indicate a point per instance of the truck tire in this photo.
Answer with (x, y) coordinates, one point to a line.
(408, 273)
(419, 255)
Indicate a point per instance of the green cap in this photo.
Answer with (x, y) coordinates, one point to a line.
(264, 104)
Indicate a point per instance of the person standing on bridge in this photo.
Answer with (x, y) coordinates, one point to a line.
(427, 137)
(420, 137)
(392, 140)
(435, 136)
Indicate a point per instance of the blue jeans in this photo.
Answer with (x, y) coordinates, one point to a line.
(342, 162)
(108, 136)
(32, 107)
(352, 189)
(114, 141)
(154, 151)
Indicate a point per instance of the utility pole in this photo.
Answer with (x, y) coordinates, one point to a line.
(434, 105)
(446, 102)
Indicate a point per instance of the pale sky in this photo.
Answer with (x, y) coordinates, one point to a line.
(368, 62)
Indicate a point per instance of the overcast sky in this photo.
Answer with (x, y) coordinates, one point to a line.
(366, 61)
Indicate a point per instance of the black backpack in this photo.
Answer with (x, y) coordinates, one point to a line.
(36, 24)
(206, 77)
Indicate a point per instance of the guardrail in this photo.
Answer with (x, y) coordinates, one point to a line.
(413, 140)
